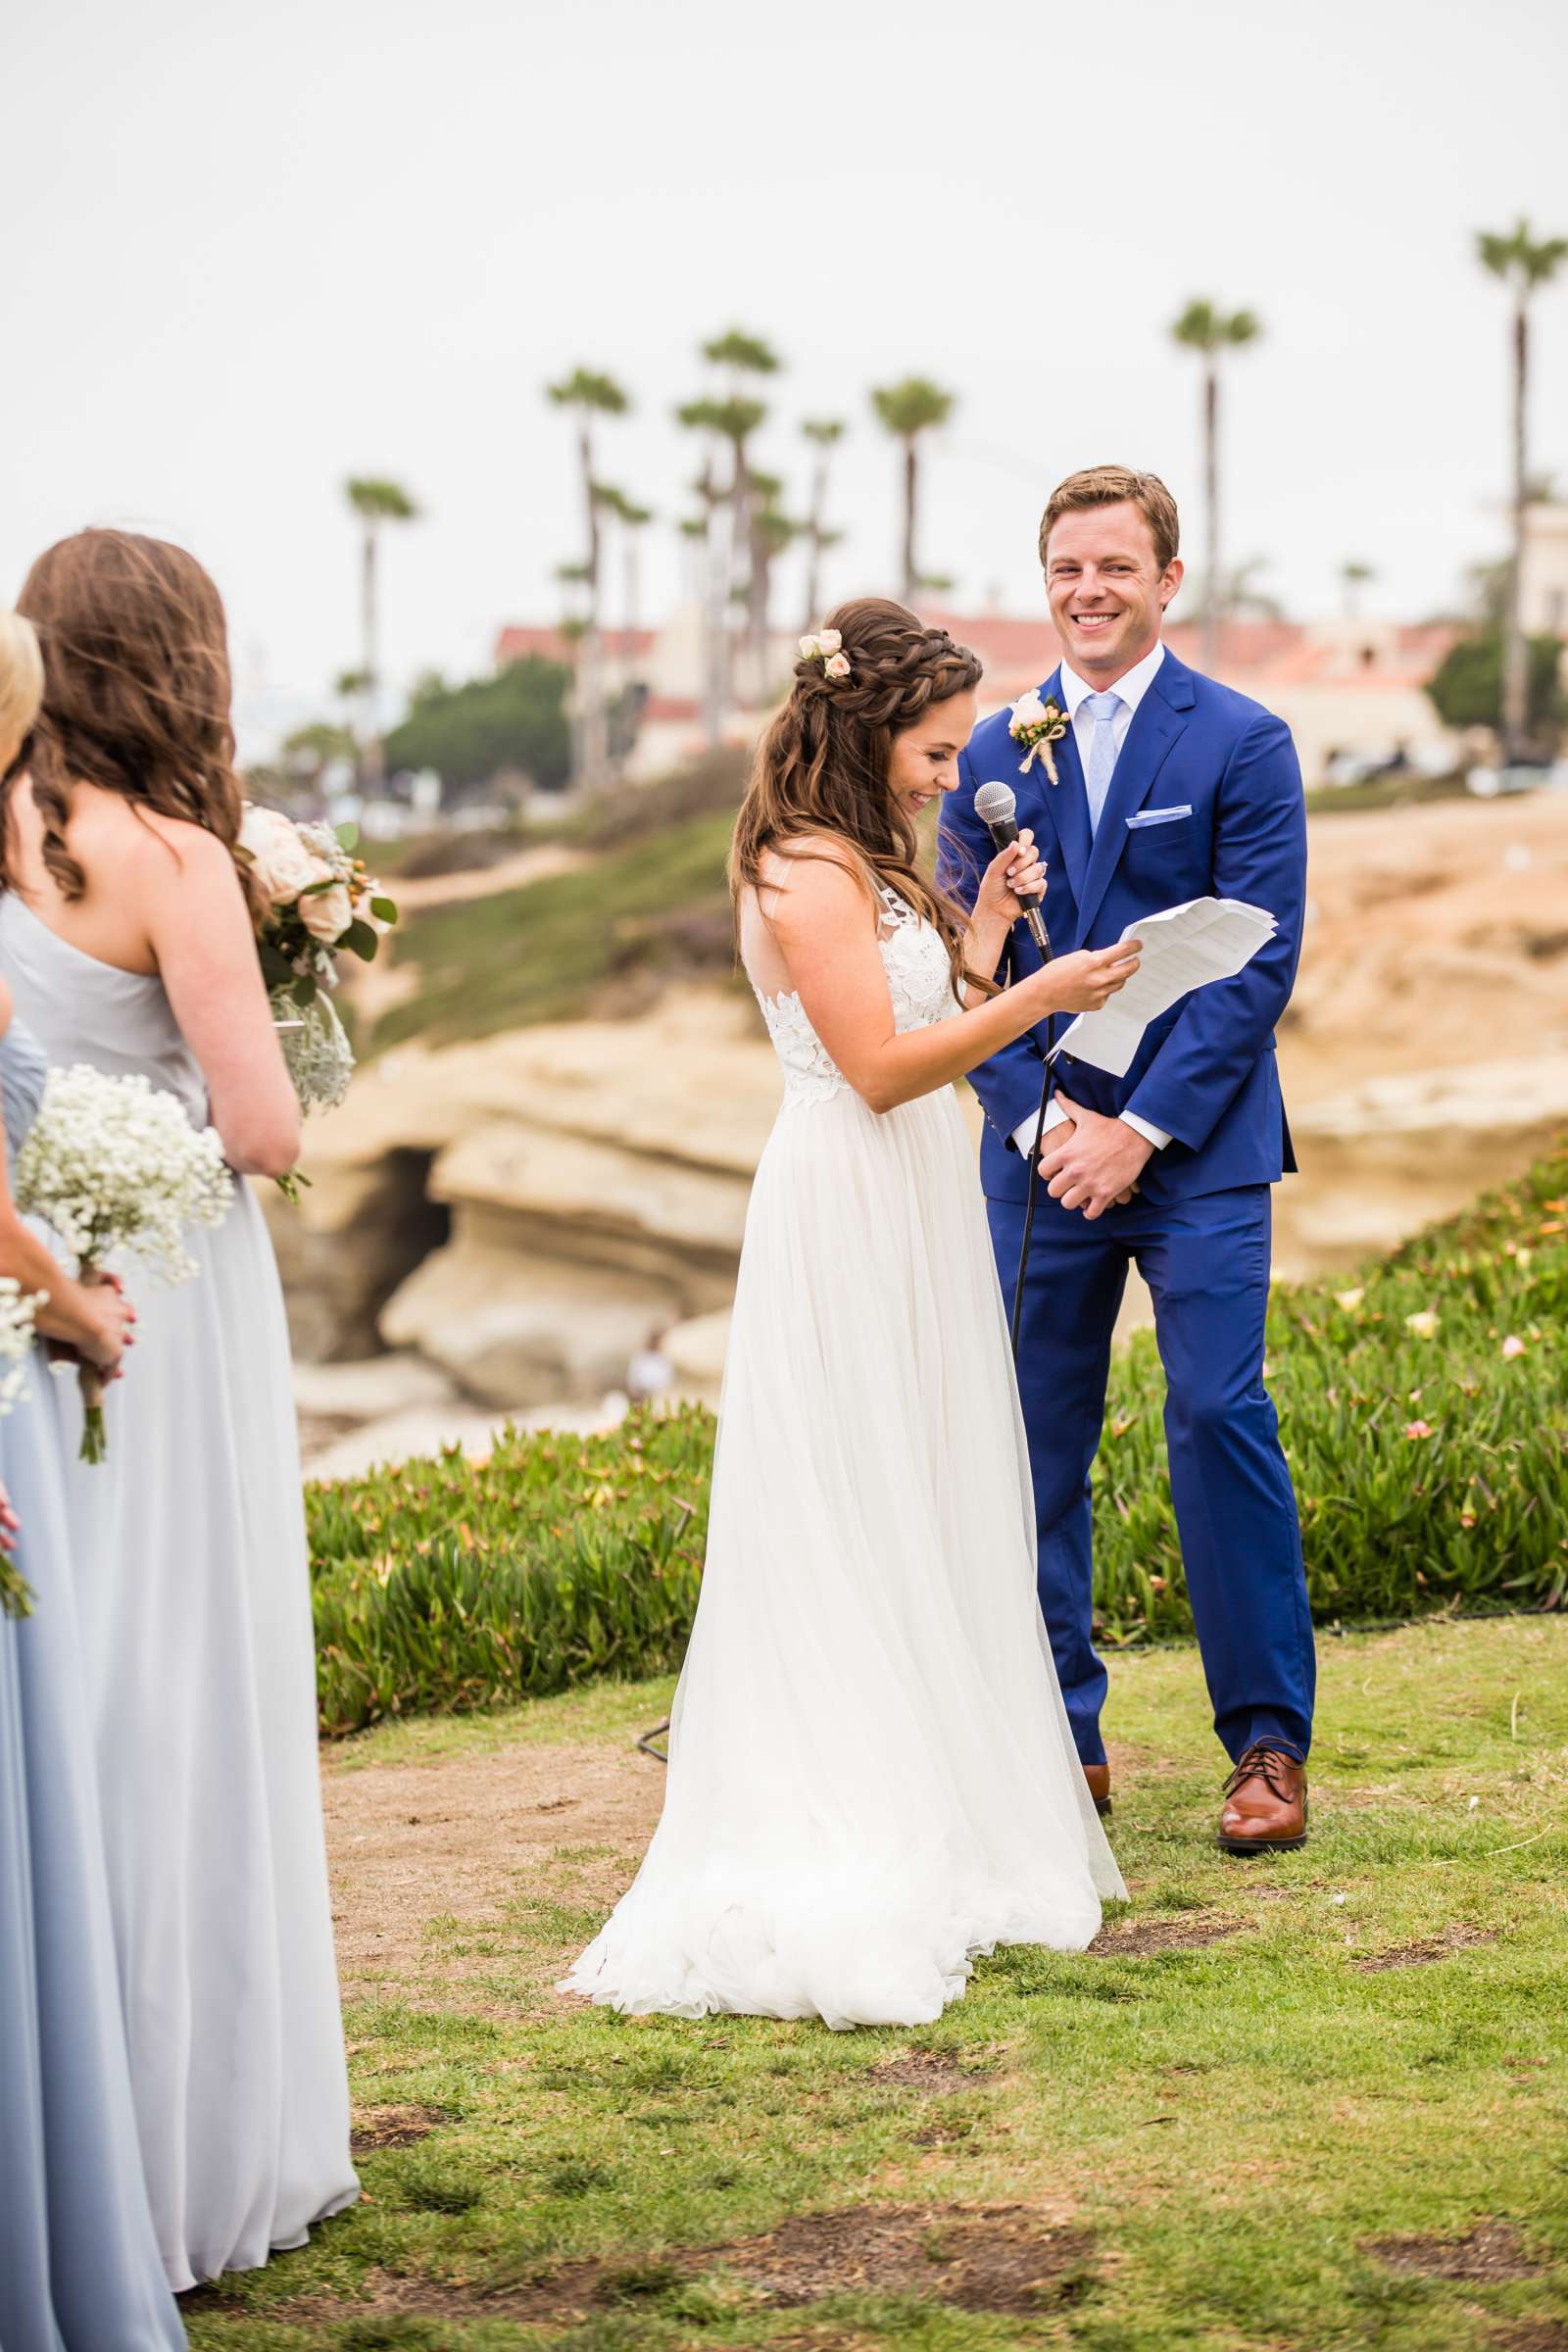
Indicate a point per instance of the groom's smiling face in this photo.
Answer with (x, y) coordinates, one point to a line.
(1106, 589)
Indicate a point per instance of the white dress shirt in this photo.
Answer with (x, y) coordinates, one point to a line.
(1131, 687)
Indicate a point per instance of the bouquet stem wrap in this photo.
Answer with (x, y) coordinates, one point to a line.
(94, 1438)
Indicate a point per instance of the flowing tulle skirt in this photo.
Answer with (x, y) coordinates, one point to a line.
(80, 2269)
(871, 1773)
(200, 1667)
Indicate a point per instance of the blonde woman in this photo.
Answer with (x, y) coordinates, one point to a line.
(80, 2269)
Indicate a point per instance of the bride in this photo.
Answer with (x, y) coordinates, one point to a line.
(871, 1776)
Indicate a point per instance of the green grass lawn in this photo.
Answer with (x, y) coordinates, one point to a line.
(1191, 2137)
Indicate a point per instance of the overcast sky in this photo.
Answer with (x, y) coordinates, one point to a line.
(250, 251)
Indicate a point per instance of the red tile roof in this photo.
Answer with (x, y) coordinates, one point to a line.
(1252, 654)
(515, 641)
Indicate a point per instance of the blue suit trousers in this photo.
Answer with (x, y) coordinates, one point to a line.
(1207, 1263)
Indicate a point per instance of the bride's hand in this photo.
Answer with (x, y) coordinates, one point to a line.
(1015, 868)
(1085, 981)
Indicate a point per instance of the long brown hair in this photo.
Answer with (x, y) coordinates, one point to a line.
(822, 766)
(136, 691)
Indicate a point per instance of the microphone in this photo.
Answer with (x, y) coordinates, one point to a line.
(997, 807)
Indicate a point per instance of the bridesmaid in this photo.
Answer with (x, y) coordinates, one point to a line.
(125, 930)
(80, 2269)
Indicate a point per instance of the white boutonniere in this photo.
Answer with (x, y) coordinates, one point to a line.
(1036, 725)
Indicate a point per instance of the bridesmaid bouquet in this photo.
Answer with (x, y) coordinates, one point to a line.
(323, 903)
(112, 1163)
(17, 1308)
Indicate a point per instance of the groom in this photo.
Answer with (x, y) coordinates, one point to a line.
(1168, 787)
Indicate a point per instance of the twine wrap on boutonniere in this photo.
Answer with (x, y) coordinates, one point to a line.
(1036, 725)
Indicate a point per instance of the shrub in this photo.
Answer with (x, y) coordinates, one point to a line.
(442, 1583)
(1427, 1459)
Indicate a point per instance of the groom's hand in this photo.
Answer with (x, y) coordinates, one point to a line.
(1091, 1162)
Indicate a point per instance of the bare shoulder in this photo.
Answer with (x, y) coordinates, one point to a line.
(173, 854)
(815, 873)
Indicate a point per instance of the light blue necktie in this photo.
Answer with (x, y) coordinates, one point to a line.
(1101, 763)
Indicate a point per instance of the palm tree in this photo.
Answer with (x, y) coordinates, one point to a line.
(633, 520)
(1206, 329)
(1354, 575)
(823, 432)
(908, 410)
(771, 533)
(374, 501)
(733, 421)
(1523, 263)
(589, 395)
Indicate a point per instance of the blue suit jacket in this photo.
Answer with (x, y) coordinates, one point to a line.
(1227, 771)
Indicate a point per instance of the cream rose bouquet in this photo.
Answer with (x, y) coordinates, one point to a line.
(18, 1310)
(113, 1163)
(323, 904)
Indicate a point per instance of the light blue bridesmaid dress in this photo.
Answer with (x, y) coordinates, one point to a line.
(198, 1660)
(80, 2266)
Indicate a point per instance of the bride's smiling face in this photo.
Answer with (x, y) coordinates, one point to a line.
(923, 763)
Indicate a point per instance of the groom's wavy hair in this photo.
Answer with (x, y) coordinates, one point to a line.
(822, 767)
(136, 692)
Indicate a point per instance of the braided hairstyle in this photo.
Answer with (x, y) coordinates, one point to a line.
(136, 692)
(822, 766)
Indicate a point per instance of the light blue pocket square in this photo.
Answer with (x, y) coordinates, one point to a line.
(1157, 816)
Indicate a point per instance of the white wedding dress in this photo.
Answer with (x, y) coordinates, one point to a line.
(871, 1774)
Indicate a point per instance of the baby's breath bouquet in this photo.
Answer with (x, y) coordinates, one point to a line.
(17, 1310)
(323, 904)
(113, 1163)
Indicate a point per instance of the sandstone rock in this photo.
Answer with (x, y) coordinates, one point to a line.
(696, 1351)
(515, 1328)
(596, 1202)
(372, 1388)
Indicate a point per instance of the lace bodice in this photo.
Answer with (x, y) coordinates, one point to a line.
(919, 983)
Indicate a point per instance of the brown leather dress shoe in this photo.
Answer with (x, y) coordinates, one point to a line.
(1097, 1777)
(1265, 1803)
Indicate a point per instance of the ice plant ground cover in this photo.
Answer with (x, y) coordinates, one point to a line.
(111, 1164)
(1307, 2105)
(1424, 1407)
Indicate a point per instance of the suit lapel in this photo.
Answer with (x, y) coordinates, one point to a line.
(1157, 722)
(1065, 803)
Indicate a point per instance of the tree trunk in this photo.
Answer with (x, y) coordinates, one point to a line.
(633, 605)
(814, 566)
(715, 619)
(911, 465)
(1515, 658)
(1213, 592)
(592, 744)
(373, 760)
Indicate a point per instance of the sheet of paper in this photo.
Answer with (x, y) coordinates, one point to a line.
(1183, 947)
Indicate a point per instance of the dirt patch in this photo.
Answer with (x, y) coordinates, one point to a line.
(1530, 2335)
(394, 2127)
(1492, 2250)
(1456, 1939)
(934, 2072)
(462, 1837)
(993, 2258)
(1188, 1931)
